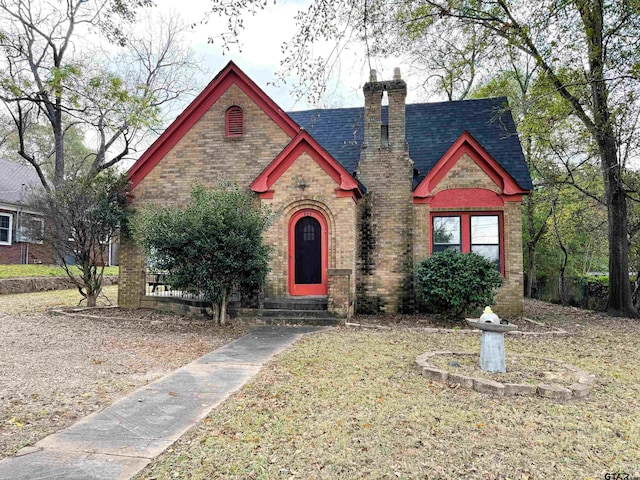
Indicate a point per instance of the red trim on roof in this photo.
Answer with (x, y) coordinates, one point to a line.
(344, 194)
(469, 145)
(466, 198)
(229, 75)
(305, 143)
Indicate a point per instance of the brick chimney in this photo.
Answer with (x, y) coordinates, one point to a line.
(374, 131)
(386, 213)
(397, 92)
(373, 91)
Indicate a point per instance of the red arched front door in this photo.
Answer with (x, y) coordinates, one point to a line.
(308, 253)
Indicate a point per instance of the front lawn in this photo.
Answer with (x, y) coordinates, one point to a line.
(350, 404)
(11, 271)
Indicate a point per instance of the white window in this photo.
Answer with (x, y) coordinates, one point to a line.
(31, 230)
(6, 222)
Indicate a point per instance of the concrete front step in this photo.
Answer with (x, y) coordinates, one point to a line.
(312, 321)
(296, 303)
(281, 312)
(287, 317)
(310, 310)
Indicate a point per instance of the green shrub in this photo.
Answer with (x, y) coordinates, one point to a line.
(452, 283)
(592, 292)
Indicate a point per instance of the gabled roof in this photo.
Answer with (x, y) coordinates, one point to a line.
(431, 129)
(230, 75)
(468, 145)
(12, 176)
(305, 143)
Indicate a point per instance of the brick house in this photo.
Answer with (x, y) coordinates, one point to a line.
(362, 194)
(22, 229)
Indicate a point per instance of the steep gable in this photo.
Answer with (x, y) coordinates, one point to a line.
(467, 165)
(304, 143)
(230, 76)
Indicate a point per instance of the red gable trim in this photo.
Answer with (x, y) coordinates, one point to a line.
(305, 143)
(469, 145)
(228, 76)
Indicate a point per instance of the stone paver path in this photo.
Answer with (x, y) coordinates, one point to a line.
(122, 439)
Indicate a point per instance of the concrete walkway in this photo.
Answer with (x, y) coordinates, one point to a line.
(119, 441)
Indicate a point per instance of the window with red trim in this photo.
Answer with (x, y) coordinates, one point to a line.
(465, 232)
(234, 122)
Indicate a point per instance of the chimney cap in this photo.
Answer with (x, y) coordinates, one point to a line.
(396, 74)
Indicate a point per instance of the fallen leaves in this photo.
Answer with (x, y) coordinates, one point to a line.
(56, 369)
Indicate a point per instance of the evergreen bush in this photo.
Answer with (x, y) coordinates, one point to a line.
(452, 283)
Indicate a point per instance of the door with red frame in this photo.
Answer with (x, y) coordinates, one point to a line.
(308, 253)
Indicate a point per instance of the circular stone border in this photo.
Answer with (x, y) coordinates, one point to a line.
(580, 389)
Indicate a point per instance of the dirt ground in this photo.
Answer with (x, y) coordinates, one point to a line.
(57, 368)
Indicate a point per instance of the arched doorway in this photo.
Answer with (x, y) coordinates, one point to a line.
(308, 253)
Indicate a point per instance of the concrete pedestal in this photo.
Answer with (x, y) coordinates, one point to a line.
(492, 352)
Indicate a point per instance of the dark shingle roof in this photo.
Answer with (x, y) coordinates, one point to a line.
(431, 128)
(12, 176)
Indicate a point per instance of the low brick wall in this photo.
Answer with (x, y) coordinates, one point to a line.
(42, 284)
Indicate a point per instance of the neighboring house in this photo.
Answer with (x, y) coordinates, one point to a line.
(22, 230)
(362, 194)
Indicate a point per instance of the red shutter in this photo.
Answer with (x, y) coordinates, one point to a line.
(235, 122)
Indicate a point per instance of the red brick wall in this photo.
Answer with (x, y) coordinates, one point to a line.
(17, 252)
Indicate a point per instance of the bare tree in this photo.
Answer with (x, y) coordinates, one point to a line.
(53, 77)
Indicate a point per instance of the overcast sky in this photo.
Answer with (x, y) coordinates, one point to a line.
(260, 54)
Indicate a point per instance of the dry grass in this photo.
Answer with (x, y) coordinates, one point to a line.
(55, 369)
(26, 303)
(523, 369)
(349, 404)
(12, 271)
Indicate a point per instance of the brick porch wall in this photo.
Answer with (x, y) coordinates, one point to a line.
(132, 276)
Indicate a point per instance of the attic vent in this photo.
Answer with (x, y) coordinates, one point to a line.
(235, 122)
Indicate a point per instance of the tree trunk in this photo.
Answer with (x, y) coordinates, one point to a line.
(620, 300)
(619, 303)
(562, 289)
(532, 276)
(223, 308)
(91, 299)
(58, 136)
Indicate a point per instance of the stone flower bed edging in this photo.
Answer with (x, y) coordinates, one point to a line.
(580, 389)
